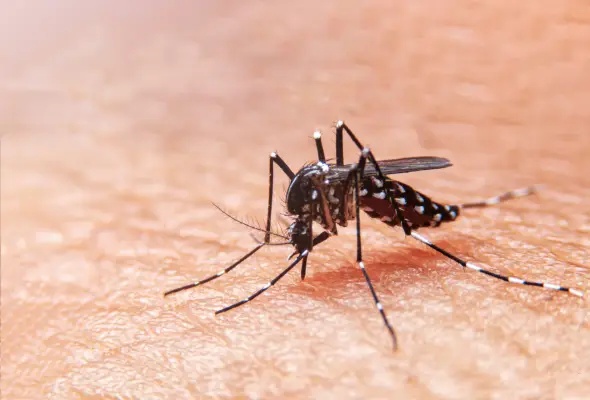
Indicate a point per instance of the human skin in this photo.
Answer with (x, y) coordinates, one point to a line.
(120, 125)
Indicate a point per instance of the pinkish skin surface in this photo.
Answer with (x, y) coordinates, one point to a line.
(120, 123)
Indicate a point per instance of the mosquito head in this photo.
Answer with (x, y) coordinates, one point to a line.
(301, 192)
(299, 235)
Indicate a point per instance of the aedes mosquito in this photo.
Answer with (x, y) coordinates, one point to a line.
(333, 194)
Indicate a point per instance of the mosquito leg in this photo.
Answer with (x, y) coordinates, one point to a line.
(317, 135)
(265, 287)
(511, 279)
(342, 127)
(339, 145)
(322, 237)
(357, 175)
(513, 194)
(212, 277)
(274, 159)
(318, 196)
(310, 230)
(303, 268)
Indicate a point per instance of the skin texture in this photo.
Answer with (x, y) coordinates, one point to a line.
(120, 124)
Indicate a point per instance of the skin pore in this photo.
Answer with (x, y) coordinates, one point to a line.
(120, 126)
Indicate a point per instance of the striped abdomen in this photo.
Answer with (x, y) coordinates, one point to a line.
(418, 210)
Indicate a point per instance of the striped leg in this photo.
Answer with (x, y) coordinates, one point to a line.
(212, 277)
(357, 175)
(342, 127)
(303, 255)
(318, 143)
(274, 159)
(511, 279)
(513, 194)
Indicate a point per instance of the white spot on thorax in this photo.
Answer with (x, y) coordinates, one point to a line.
(333, 199)
(378, 182)
(325, 168)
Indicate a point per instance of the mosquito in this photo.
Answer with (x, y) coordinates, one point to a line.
(334, 194)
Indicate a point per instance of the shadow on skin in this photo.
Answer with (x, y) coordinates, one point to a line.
(393, 273)
(409, 265)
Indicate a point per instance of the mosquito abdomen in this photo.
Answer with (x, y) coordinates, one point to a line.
(418, 209)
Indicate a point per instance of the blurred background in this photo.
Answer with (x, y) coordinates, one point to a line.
(121, 121)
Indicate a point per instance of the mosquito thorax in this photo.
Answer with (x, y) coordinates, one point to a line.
(300, 193)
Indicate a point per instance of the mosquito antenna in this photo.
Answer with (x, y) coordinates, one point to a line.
(247, 224)
(268, 244)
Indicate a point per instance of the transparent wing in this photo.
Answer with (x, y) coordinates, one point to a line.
(391, 167)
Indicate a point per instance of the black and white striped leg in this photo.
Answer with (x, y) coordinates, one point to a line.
(221, 273)
(342, 127)
(302, 256)
(513, 194)
(274, 159)
(510, 279)
(357, 176)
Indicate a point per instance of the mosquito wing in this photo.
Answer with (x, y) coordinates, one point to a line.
(391, 167)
